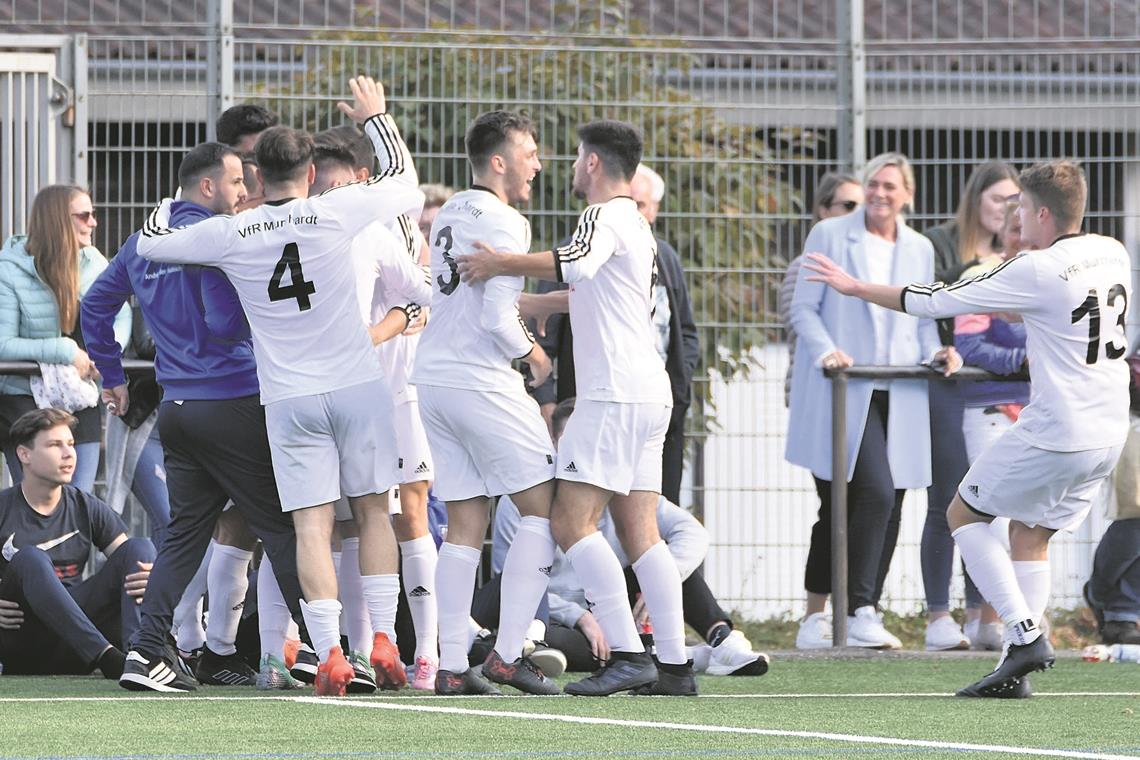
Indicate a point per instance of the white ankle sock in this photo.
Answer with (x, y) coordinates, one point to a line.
(992, 571)
(355, 621)
(321, 618)
(660, 584)
(273, 616)
(382, 595)
(189, 633)
(526, 574)
(418, 561)
(604, 582)
(455, 585)
(1035, 580)
(227, 580)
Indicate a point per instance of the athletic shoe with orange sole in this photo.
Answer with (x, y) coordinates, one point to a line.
(333, 675)
(390, 673)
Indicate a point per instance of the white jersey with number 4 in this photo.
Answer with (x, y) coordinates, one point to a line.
(611, 265)
(474, 331)
(292, 267)
(1073, 298)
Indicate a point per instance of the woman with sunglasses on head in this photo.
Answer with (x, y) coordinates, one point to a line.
(972, 236)
(888, 441)
(43, 276)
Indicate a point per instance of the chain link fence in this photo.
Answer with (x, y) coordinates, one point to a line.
(744, 104)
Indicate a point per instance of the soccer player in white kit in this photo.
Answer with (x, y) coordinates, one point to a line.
(478, 416)
(611, 450)
(328, 409)
(1045, 472)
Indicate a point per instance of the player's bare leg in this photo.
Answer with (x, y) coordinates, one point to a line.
(314, 526)
(996, 577)
(418, 557)
(526, 574)
(455, 584)
(380, 582)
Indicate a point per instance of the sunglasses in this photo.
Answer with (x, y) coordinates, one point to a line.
(84, 216)
(847, 205)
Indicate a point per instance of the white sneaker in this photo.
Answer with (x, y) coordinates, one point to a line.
(701, 655)
(814, 632)
(865, 629)
(944, 634)
(985, 637)
(734, 657)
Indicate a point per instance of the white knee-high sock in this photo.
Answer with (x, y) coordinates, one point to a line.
(322, 618)
(1035, 579)
(992, 571)
(604, 582)
(189, 633)
(273, 616)
(227, 580)
(526, 573)
(455, 585)
(418, 562)
(661, 586)
(355, 621)
(382, 595)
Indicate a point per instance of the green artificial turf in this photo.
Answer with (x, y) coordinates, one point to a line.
(269, 727)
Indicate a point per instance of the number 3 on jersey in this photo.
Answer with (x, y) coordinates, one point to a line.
(298, 288)
(444, 241)
(1090, 307)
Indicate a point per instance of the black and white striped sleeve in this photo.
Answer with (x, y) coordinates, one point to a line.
(591, 246)
(200, 243)
(1011, 286)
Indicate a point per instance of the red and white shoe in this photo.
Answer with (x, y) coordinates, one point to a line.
(390, 673)
(333, 675)
(423, 673)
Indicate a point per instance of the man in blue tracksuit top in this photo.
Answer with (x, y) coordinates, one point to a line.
(211, 421)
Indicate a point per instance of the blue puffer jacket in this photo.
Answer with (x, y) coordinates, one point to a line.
(29, 317)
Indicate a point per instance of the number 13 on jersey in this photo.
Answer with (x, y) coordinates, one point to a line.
(1117, 298)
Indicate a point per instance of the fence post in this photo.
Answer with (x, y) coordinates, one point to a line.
(839, 508)
(852, 90)
(79, 129)
(220, 62)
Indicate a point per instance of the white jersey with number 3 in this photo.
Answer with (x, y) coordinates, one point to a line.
(292, 267)
(1073, 298)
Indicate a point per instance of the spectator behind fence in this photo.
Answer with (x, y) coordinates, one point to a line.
(888, 435)
(973, 235)
(837, 194)
(52, 621)
(434, 197)
(42, 277)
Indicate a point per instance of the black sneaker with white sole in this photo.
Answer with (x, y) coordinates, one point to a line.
(625, 671)
(305, 668)
(1018, 661)
(142, 674)
(224, 670)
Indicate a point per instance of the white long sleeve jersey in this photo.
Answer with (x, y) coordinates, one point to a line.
(475, 330)
(611, 265)
(291, 265)
(1073, 298)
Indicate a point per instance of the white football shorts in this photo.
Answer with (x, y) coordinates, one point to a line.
(615, 446)
(491, 442)
(332, 444)
(1053, 489)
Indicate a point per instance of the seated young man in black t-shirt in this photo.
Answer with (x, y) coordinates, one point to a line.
(52, 621)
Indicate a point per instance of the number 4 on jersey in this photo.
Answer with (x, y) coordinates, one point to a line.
(298, 288)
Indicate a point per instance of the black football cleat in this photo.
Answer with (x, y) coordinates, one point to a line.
(625, 671)
(523, 674)
(1014, 688)
(305, 668)
(672, 681)
(467, 683)
(1017, 661)
(224, 670)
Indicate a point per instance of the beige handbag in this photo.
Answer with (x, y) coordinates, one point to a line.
(1127, 476)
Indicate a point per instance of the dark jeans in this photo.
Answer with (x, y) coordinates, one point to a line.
(215, 451)
(65, 629)
(1115, 582)
(949, 464)
(673, 455)
(874, 510)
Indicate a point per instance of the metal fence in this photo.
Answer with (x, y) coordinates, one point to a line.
(745, 104)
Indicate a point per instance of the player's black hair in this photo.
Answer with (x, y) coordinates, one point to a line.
(27, 426)
(489, 131)
(284, 154)
(616, 143)
(352, 140)
(204, 159)
(328, 150)
(245, 119)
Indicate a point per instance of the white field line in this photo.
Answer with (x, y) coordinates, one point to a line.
(409, 706)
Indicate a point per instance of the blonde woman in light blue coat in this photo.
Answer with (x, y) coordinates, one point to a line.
(888, 425)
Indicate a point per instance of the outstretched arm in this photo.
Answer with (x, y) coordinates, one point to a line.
(835, 277)
(486, 262)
